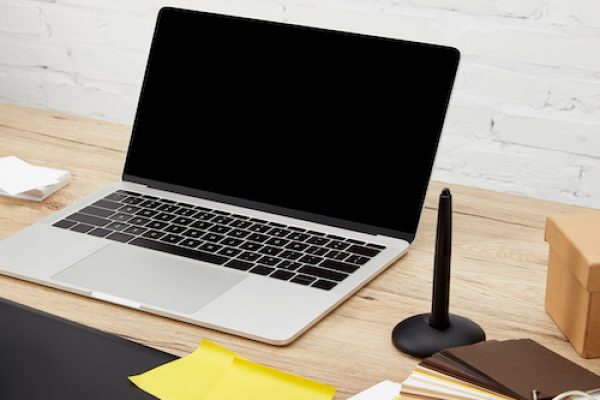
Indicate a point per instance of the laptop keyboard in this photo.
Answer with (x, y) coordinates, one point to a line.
(235, 241)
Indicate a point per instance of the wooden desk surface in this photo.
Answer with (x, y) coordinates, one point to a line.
(499, 267)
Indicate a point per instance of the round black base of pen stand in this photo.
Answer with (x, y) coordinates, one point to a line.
(416, 337)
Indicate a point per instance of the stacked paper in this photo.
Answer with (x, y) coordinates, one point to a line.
(215, 373)
(24, 181)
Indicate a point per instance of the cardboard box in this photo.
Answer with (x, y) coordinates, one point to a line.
(573, 285)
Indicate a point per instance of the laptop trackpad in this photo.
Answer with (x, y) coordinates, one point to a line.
(151, 278)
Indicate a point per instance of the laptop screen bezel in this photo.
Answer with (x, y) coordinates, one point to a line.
(266, 207)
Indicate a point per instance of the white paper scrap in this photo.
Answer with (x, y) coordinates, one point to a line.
(385, 390)
(17, 176)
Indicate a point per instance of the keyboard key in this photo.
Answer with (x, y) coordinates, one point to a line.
(99, 232)
(147, 213)
(192, 243)
(238, 216)
(129, 192)
(220, 229)
(337, 255)
(355, 259)
(323, 273)
(120, 237)
(282, 275)
(116, 196)
(221, 212)
(187, 205)
(110, 205)
(175, 229)
(319, 241)
(337, 245)
(201, 225)
(138, 221)
(186, 212)
(182, 221)
(277, 224)
(210, 247)
(88, 219)
(314, 260)
(336, 237)
(251, 246)
(202, 208)
(325, 285)
(83, 228)
(156, 225)
(257, 237)
(212, 237)
(268, 260)
(121, 217)
(238, 233)
(165, 217)
(168, 208)
(98, 212)
(229, 252)
(64, 224)
(376, 246)
(363, 251)
(147, 196)
(180, 251)
(354, 241)
(316, 233)
(259, 221)
(296, 229)
(118, 226)
(259, 228)
(297, 246)
(154, 234)
(135, 230)
(317, 251)
(248, 256)
(204, 216)
(232, 242)
(238, 223)
(238, 264)
(303, 279)
(193, 233)
(339, 266)
(221, 220)
(262, 270)
(277, 242)
(167, 201)
(270, 250)
(150, 204)
(298, 236)
(290, 255)
(132, 200)
(279, 232)
(170, 238)
(128, 209)
(289, 265)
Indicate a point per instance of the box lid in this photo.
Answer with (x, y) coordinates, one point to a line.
(575, 237)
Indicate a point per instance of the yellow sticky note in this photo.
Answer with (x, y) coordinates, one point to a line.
(215, 373)
(189, 377)
(246, 380)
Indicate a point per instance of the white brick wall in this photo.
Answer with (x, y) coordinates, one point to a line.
(525, 116)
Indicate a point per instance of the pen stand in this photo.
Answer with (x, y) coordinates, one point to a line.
(425, 334)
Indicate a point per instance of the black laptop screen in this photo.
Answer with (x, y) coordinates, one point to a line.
(325, 125)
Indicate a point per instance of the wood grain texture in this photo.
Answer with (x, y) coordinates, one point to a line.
(499, 267)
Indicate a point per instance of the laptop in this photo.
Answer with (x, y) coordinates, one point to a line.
(273, 171)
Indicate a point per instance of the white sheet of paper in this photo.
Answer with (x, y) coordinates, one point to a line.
(16, 176)
(385, 390)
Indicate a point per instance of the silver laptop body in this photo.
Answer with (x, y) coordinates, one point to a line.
(243, 208)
